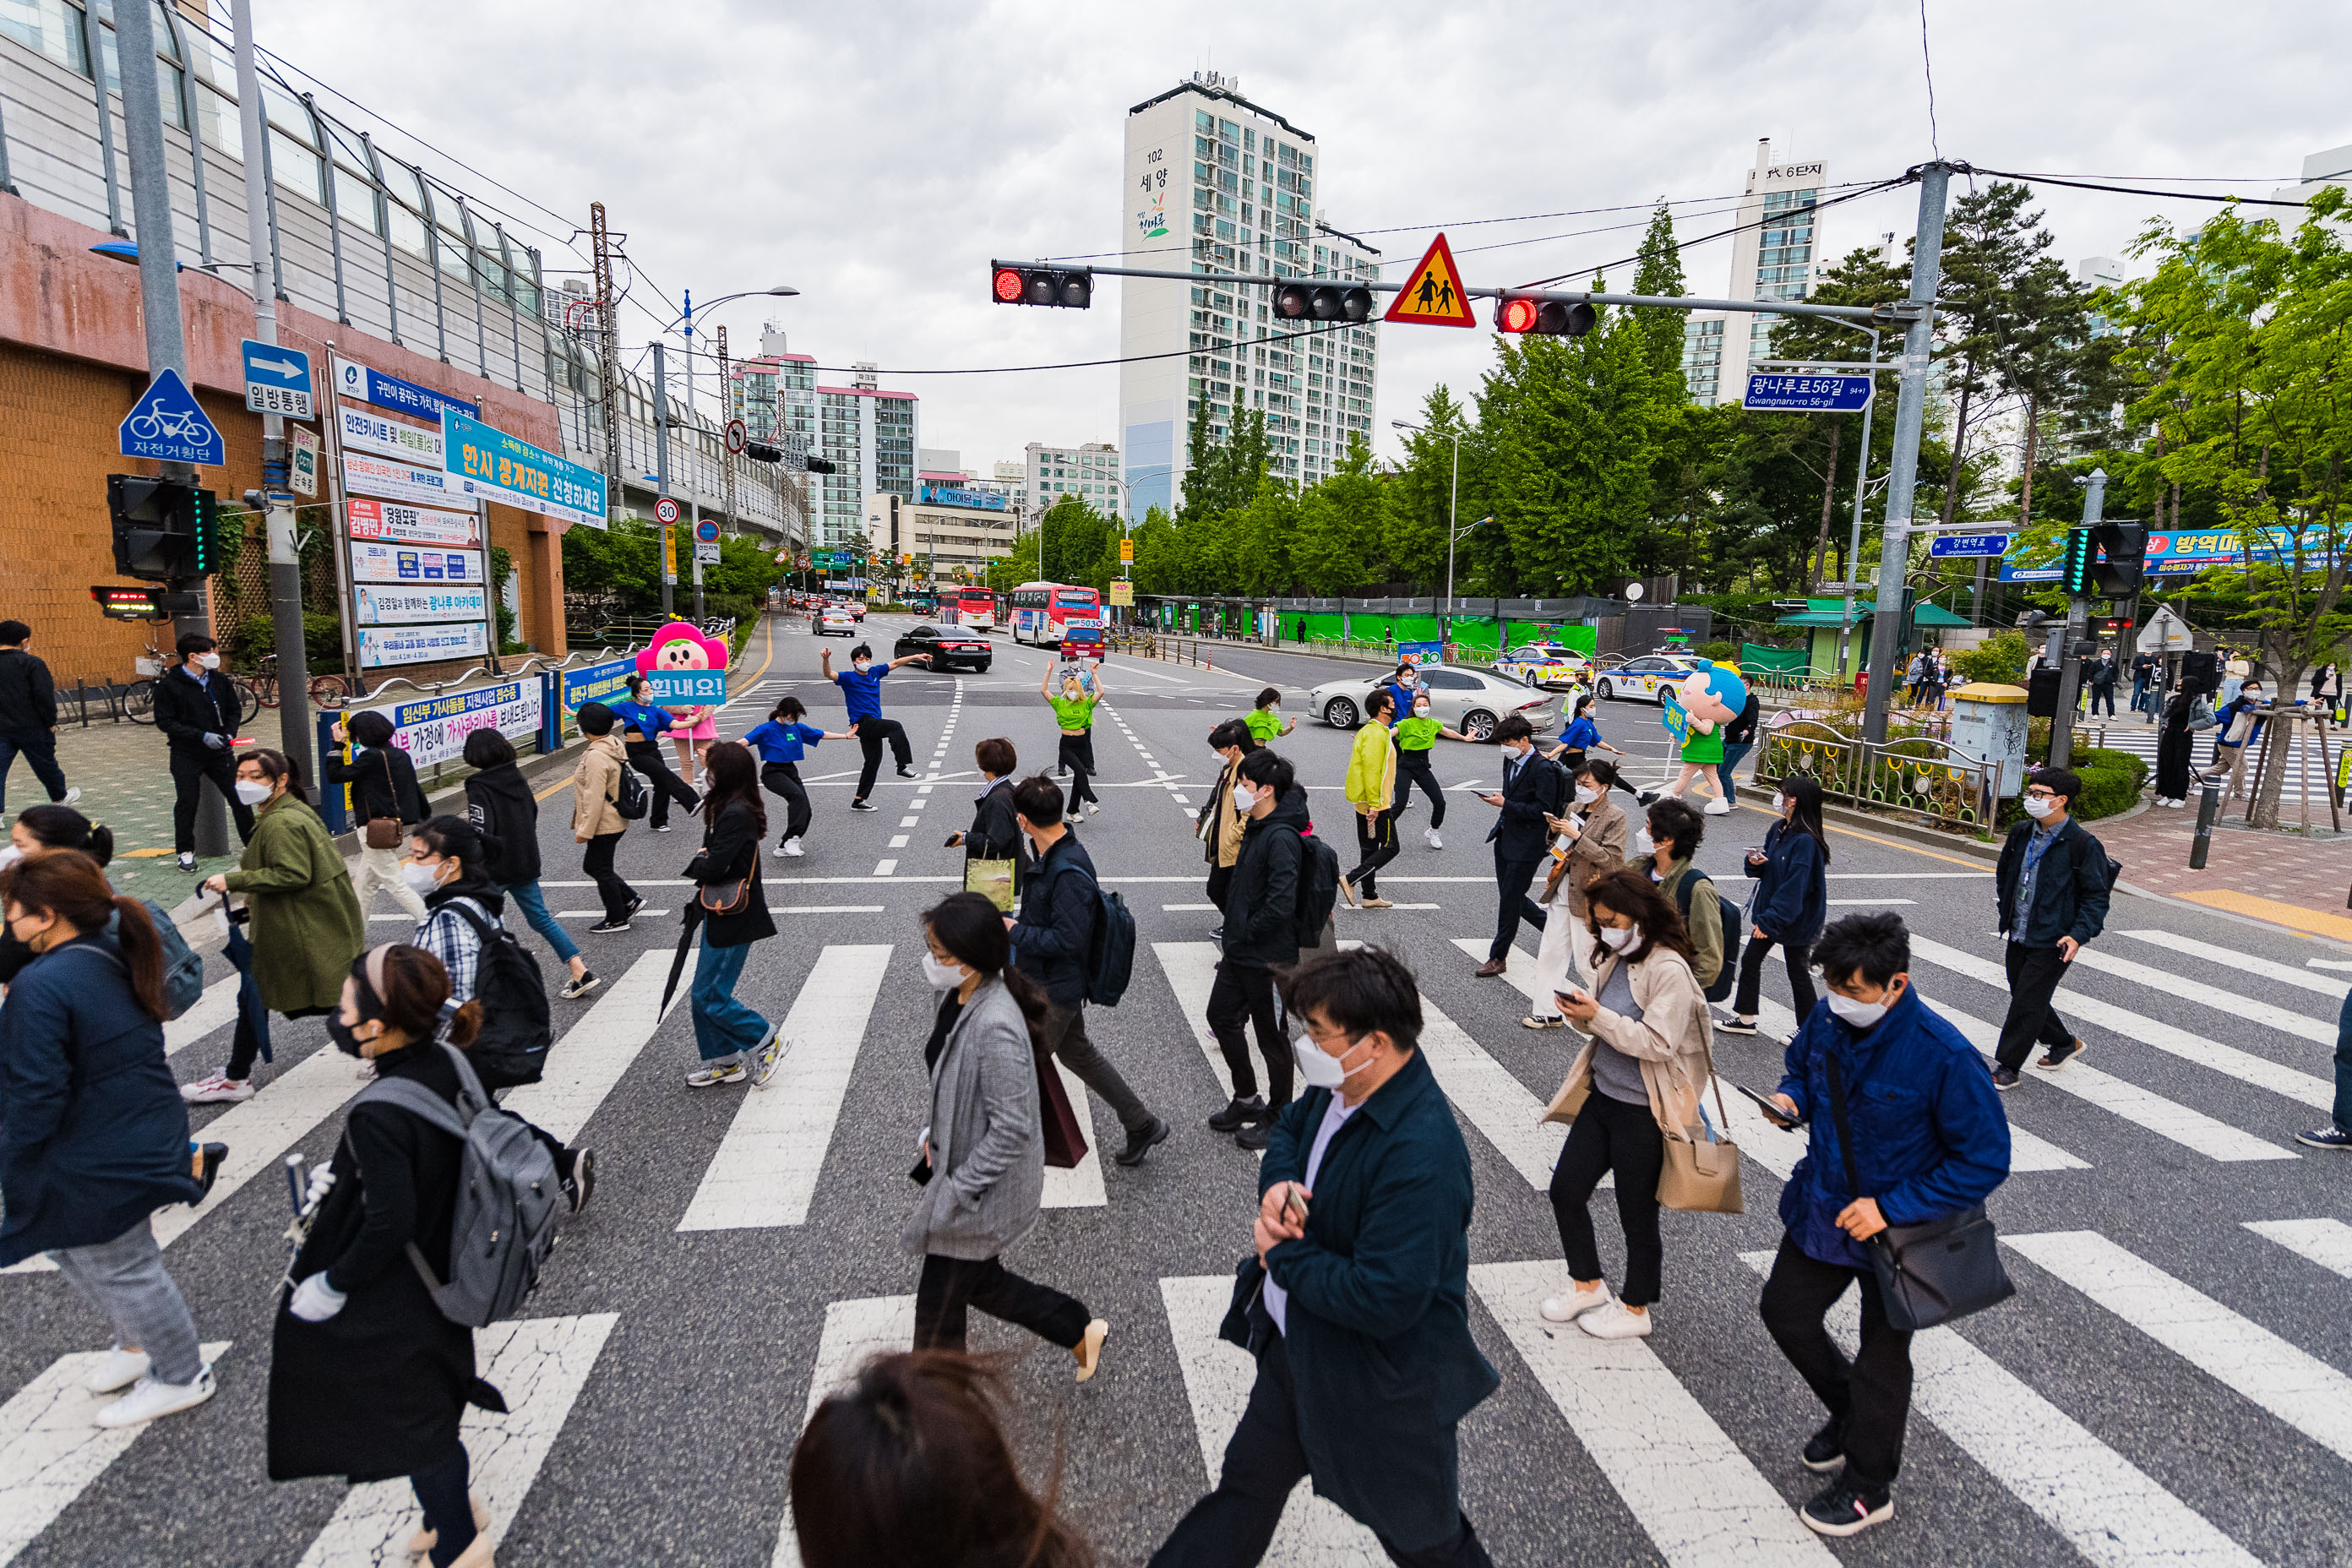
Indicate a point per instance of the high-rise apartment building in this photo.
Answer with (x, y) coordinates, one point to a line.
(2333, 167)
(868, 435)
(775, 392)
(1089, 472)
(1774, 256)
(1216, 184)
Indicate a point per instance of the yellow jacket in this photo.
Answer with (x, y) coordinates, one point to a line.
(1371, 769)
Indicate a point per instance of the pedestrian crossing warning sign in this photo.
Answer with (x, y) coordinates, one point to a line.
(1432, 295)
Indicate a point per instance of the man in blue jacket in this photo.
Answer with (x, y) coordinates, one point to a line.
(1356, 1301)
(2052, 890)
(1930, 1140)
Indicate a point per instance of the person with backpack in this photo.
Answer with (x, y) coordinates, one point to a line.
(1790, 902)
(385, 803)
(1218, 825)
(1261, 936)
(1667, 847)
(1532, 797)
(1055, 938)
(2240, 723)
(302, 917)
(1588, 842)
(983, 1174)
(2052, 886)
(732, 904)
(781, 743)
(369, 1377)
(1371, 789)
(642, 728)
(95, 1138)
(604, 796)
(502, 809)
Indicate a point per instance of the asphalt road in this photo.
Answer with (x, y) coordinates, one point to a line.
(2171, 1384)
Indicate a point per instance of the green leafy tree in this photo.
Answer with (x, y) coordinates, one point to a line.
(1659, 271)
(1340, 540)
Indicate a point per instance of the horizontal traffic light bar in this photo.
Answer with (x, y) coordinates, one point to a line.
(1017, 283)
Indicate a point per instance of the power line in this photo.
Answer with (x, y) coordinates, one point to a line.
(1928, 63)
(1070, 364)
(2138, 191)
(1778, 218)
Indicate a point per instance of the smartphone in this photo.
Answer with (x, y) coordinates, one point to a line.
(1573, 994)
(1772, 1108)
(1293, 1209)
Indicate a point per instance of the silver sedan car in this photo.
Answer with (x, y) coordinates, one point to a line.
(1469, 700)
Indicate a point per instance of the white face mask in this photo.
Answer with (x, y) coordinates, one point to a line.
(1244, 801)
(422, 876)
(1320, 1067)
(9, 856)
(208, 661)
(1860, 1014)
(864, 664)
(1621, 938)
(1642, 843)
(2038, 806)
(1421, 710)
(1780, 804)
(252, 791)
(1586, 794)
(943, 976)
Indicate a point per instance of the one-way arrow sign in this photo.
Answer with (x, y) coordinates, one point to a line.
(277, 381)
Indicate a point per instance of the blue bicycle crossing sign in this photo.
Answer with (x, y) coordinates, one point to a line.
(167, 424)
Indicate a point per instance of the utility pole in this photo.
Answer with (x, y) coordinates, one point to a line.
(608, 356)
(285, 552)
(1910, 413)
(661, 479)
(159, 297)
(2078, 621)
(727, 409)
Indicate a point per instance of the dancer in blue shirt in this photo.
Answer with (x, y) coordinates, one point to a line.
(781, 742)
(861, 688)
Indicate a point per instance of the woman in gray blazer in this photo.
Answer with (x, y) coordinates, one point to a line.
(984, 1167)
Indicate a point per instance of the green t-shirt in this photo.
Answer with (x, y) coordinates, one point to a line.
(1264, 724)
(1074, 713)
(1416, 734)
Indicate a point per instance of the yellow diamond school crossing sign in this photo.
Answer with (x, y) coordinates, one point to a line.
(1431, 296)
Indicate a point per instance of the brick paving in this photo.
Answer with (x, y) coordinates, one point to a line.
(2284, 877)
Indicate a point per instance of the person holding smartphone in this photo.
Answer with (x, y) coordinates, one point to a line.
(1590, 842)
(1638, 1077)
(1792, 896)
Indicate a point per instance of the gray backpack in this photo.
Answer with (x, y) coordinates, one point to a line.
(509, 1200)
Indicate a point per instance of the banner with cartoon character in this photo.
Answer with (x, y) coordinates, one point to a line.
(687, 670)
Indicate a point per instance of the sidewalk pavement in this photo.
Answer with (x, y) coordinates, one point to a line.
(2281, 878)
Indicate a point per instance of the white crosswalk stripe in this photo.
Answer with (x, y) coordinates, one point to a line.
(2291, 1384)
(583, 1065)
(1080, 1185)
(49, 1450)
(853, 1332)
(2242, 963)
(2113, 1512)
(766, 1169)
(215, 1008)
(2251, 1009)
(1701, 1500)
(2327, 1242)
(539, 1364)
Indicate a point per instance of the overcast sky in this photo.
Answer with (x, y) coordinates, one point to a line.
(876, 155)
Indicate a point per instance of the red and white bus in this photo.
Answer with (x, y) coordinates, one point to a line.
(975, 608)
(1040, 611)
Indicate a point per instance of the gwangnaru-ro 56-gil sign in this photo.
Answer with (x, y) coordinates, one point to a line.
(1772, 393)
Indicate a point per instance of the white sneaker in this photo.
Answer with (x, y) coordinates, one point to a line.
(779, 851)
(767, 1056)
(1614, 1321)
(119, 1370)
(1094, 808)
(1434, 841)
(1576, 1303)
(73, 794)
(793, 847)
(218, 1089)
(148, 1399)
(1716, 806)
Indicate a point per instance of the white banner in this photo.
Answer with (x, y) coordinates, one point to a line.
(433, 728)
(373, 562)
(394, 523)
(365, 430)
(400, 481)
(381, 645)
(376, 605)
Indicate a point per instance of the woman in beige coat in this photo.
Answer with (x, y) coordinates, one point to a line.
(1635, 1084)
(1588, 841)
(596, 819)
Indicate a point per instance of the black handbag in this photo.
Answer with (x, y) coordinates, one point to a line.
(1933, 1272)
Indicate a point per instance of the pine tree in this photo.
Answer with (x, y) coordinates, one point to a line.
(1660, 272)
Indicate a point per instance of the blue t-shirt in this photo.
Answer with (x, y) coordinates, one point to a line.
(648, 721)
(1583, 735)
(781, 743)
(863, 692)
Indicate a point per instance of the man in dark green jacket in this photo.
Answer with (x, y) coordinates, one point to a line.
(1355, 1302)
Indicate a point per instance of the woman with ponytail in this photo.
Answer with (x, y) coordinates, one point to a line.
(38, 828)
(367, 1379)
(95, 1138)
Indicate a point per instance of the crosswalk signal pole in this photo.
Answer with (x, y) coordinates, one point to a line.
(2078, 621)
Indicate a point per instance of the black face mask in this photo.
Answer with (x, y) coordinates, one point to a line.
(345, 1036)
(13, 955)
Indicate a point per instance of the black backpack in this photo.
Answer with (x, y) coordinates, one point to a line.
(630, 797)
(511, 1048)
(1720, 986)
(1111, 949)
(1318, 889)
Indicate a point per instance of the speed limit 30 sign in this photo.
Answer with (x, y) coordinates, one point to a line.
(664, 511)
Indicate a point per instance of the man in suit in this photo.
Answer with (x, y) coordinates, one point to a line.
(1533, 791)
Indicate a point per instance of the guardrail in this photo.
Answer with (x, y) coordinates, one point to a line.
(1919, 774)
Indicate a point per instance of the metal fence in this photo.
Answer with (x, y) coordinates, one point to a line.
(1916, 776)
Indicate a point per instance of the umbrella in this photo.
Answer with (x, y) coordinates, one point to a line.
(685, 945)
(250, 1012)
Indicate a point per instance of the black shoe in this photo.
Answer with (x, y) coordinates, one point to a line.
(1239, 1113)
(188, 861)
(1255, 1135)
(1647, 797)
(637, 903)
(2004, 1078)
(2057, 1057)
(1138, 1144)
(1825, 1450)
(609, 925)
(862, 805)
(1734, 1025)
(209, 1160)
(1842, 1511)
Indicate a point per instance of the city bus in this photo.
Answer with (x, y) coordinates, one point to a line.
(1040, 610)
(975, 608)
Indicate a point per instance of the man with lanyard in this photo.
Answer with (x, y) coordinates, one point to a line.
(198, 709)
(1534, 792)
(2052, 890)
(861, 689)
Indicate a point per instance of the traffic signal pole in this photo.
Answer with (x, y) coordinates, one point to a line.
(2078, 620)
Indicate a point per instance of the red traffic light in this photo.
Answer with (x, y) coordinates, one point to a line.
(1544, 318)
(1069, 287)
(1008, 286)
(1516, 316)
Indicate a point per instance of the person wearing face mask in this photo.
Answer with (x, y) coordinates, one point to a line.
(1790, 901)
(304, 920)
(995, 830)
(1588, 841)
(198, 710)
(383, 789)
(1074, 715)
(732, 904)
(642, 726)
(1930, 1141)
(367, 1379)
(2240, 725)
(861, 690)
(1219, 823)
(1416, 737)
(1371, 789)
(502, 809)
(2053, 888)
(1355, 1301)
(1581, 737)
(1533, 795)
(1667, 847)
(1265, 718)
(1261, 938)
(1637, 1082)
(983, 1165)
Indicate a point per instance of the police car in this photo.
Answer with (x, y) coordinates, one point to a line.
(1646, 679)
(1555, 665)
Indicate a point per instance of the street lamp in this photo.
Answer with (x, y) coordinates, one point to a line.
(780, 291)
(1453, 532)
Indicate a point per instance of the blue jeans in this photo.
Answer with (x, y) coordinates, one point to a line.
(2344, 1066)
(1734, 753)
(533, 905)
(722, 1025)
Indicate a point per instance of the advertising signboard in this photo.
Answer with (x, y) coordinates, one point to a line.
(365, 430)
(377, 605)
(595, 682)
(687, 688)
(367, 384)
(491, 464)
(382, 645)
(433, 728)
(396, 524)
(368, 476)
(374, 562)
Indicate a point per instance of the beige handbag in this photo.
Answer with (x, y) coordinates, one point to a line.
(1702, 1178)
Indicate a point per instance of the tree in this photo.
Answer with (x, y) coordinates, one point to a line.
(1222, 475)
(1990, 242)
(1340, 540)
(1659, 271)
(1863, 278)
(1420, 499)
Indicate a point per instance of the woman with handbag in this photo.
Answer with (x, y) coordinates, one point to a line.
(983, 1166)
(731, 905)
(386, 803)
(1588, 842)
(1634, 1087)
(992, 846)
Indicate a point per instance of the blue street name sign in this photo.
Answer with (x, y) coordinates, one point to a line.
(166, 424)
(1979, 544)
(1772, 393)
(277, 381)
(2032, 573)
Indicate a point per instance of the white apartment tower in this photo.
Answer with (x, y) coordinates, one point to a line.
(1773, 256)
(1215, 184)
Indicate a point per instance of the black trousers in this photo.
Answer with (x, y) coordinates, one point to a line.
(1870, 1396)
(1244, 994)
(950, 1287)
(782, 780)
(40, 749)
(871, 733)
(1221, 878)
(1413, 767)
(448, 1510)
(1799, 959)
(646, 757)
(1512, 879)
(2103, 694)
(1067, 1039)
(1376, 845)
(1232, 1527)
(1077, 754)
(1611, 1135)
(598, 864)
(190, 765)
(2034, 973)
